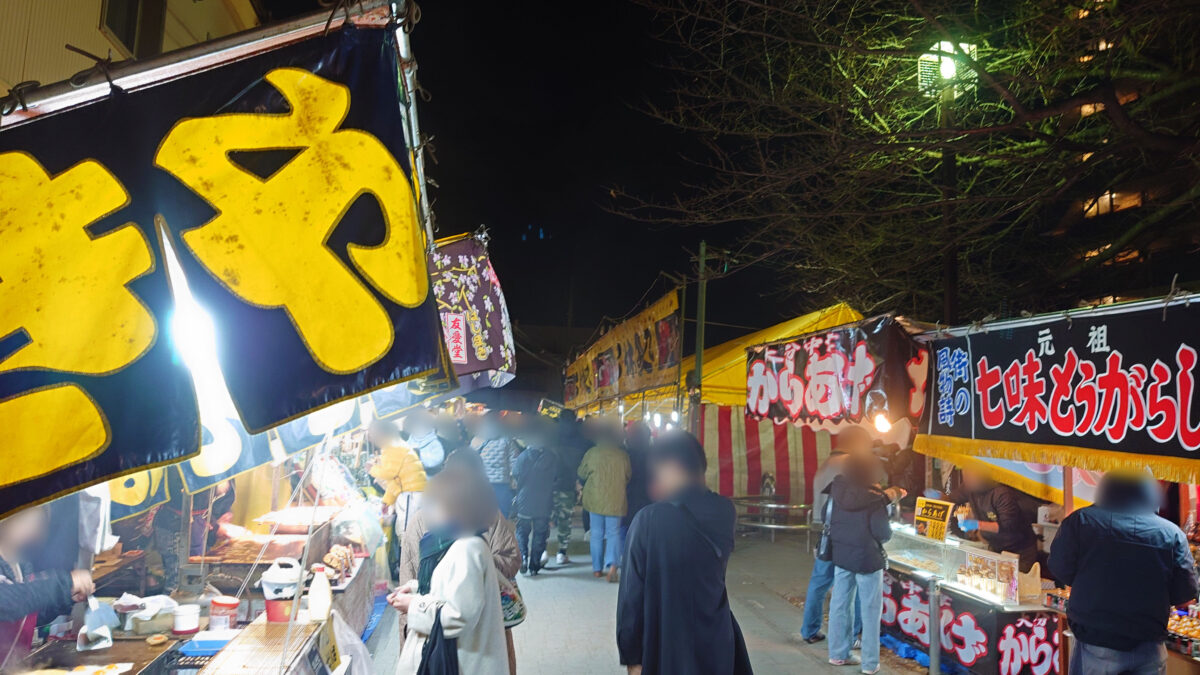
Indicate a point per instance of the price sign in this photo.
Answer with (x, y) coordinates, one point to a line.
(932, 517)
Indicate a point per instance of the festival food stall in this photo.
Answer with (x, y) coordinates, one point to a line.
(1048, 402)
(992, 620)
(228, 313)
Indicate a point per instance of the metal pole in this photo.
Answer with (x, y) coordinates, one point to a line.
(935, 627)
(131, 75)
(949, 185)
(408, 75)
(701, 300)
(680, 398)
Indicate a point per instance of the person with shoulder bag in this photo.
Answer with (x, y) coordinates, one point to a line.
(453, 608)
(858, 528)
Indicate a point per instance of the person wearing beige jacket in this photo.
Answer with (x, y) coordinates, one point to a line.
(501, 539)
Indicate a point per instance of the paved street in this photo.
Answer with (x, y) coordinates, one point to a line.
(572, 616)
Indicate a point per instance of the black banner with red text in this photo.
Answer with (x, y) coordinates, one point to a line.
(1116, 382)
(976, 635)
(845, 375)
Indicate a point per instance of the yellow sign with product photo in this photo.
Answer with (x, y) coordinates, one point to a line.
(932, 517)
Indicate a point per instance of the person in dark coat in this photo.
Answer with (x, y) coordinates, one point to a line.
(536, 473)
(1126, 567)
(858, 528)
(637, 446)
(673, 614)
(1002, 515)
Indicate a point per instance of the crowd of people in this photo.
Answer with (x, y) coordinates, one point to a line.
(471, 523)
(479, 502)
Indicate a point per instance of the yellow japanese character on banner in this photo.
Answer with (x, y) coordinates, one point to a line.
(133, 490)
(65, 289)
(267, 244)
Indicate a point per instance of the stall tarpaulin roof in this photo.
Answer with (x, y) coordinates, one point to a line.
(725, 364)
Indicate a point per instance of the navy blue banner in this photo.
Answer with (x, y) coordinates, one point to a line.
(283, 182)
(228, 450)
(336, 420)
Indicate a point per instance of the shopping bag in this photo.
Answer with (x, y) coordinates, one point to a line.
(511, 603)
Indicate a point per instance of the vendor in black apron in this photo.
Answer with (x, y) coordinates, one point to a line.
(1000, 514)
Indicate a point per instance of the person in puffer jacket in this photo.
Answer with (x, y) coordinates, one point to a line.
(399, 472)
(858, 529)
(1126, 567)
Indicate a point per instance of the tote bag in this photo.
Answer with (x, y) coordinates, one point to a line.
(439, 656)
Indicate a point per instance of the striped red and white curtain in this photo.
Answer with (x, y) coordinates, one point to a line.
(741, 450)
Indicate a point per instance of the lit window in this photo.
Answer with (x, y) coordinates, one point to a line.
(1110, 202)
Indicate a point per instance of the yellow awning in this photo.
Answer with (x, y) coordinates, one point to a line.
(725, 364)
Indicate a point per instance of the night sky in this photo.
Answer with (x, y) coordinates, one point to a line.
(536, 113)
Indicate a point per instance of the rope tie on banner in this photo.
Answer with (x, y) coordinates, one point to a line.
(101, 66)
(16, 97)
(342, 5)
(409, 17)
(1174, 293)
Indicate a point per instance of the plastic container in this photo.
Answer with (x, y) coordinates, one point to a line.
(279, 611)
(281, 580)
(223, 613)
(187, 620)
(320, 595)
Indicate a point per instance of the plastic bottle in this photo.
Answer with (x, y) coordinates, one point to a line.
(320, 596)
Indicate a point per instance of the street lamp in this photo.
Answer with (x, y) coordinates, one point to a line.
(938, 70)
(938, 76)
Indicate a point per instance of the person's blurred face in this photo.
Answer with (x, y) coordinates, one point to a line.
(489, 427)
(637, 435)
(975, 481)
(667, 478)
(855, 441)
(419, 423)
(382, 433)
(23, 529)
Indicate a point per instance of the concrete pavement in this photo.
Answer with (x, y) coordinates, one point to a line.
(572, 616)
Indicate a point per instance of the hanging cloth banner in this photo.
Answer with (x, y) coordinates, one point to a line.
(1044, 481)
(335, 421)
(297, 223)
(282, 180)
(638, 354)
(474, 315)
(1096, 389)
(137, 493)
(848, 375)
(228, 451)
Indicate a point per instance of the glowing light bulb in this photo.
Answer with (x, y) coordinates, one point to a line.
(882, 424)
(946, 64)
(657, 420)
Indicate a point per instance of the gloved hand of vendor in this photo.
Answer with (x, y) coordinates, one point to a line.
(967, 524)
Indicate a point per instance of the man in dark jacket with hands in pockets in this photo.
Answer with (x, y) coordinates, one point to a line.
(1127, 568)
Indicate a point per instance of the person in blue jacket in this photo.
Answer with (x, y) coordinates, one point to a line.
(536, 473)
(1127, 567)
